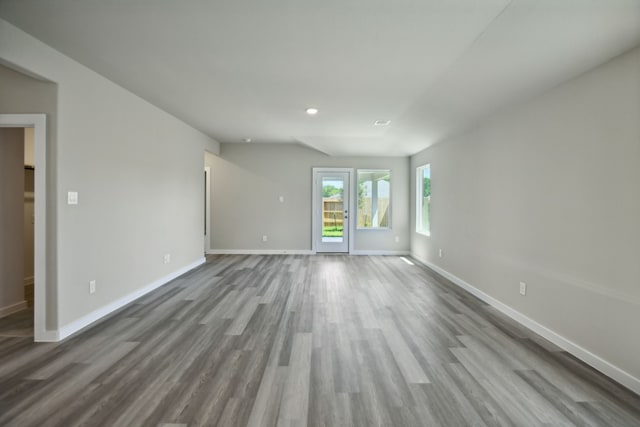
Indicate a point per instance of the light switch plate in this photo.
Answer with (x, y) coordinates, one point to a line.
(523, 288)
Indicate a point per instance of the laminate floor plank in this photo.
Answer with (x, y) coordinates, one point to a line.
(380, 371)
(18, 324)
(244, 316)
(513, 394)
(75, 399)
(409, 366)
(521, 351)
(266, 407)
(569, 407)
(489, 410)
(296, 340)
(295, 398)
(442, 393)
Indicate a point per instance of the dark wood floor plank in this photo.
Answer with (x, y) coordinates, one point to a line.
(19, 324)
(293, 340)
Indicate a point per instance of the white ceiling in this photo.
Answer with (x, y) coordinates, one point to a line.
(240, 69)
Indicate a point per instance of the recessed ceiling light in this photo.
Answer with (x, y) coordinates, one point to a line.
(382, 123)
(312, 111)
(247, 139)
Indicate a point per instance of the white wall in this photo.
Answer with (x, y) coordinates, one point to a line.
(11, 200)
(549, 194)
(248, 180)
(138, 172)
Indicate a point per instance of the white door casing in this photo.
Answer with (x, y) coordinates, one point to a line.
(340, 240)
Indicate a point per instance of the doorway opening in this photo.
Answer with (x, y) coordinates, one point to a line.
(12, 129)
(16, 232)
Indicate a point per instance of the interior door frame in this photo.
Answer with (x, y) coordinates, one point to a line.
(207, 209)
(39, 123)
(315, 218)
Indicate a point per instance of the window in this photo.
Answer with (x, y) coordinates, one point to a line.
(423, 199)
(374, 198)
(332, 209)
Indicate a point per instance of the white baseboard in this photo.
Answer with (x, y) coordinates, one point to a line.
(379, 252)
(295, 252)
(569, 346)
(46, 336)
(259, 252)
(13, 308)
(88, 319)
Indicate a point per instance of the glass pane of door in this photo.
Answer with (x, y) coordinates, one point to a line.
(332, 209)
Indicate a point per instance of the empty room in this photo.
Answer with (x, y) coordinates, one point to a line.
(334, 213)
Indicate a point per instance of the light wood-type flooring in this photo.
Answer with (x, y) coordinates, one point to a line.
(325, 340)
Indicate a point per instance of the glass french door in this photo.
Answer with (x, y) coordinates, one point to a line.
(331, 228)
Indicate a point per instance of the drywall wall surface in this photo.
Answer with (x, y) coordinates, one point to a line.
(11, 215)
(138, 174)
(248, 180)
(548, 193)
(21, 94)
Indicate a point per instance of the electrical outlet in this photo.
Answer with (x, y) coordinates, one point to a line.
(92, 287)
(264, 238)
(523, 288)
(167, 258)
(397, 239)
(440, 252)
(72, 198)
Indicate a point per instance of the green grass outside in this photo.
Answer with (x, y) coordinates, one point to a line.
(332, 232)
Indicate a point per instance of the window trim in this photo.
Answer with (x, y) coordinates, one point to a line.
(419, 192)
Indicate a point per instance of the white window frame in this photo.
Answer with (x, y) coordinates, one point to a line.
(419, 192)
(357, 219)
